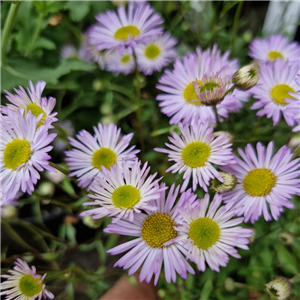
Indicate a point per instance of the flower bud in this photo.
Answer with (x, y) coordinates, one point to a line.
(286, 237)
(228, 184)
(246, 77)
(92, 223)
(227, 134)
(279, 288)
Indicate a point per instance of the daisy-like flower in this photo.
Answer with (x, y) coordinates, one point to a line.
(156, 53)
(123, 191)
(195, 151)
(120, 62)
(23, 151)
(273, 48)
(209, 233)
(277, 80)
(68, 51)
(33, 102)
(24, 284)
(106, 148)
(263, 182)
(119, 30)
(180, 101)
(152, 230)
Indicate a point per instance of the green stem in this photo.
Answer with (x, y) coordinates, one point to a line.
(236, 22)
(59, 168)
(139, 110)
(8, 26)
(216, 113)
(35, 34)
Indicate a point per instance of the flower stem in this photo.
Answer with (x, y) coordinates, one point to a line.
(59, 168)
(236, 22)
(214, 107)
(8, 26)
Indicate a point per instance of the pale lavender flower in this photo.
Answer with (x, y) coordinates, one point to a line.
(24, 284)
(120, 62)
(106, 148)
(33, 101)
(273, 48)
(209, 233)
(195, 151)
(152, 230)
(265, 183)
(24, 151)
(123, 191)
(156, 53)
(125, 29)
(277, 80)
(68, 51)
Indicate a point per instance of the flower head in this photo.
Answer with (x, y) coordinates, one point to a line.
(194, 153)
(24, 151)
(264, 182)
(246, 77)
(156, 53)
(276, 47)
(23, 283)
(279, 288)
(277, 81)
(122, 191)
(120, 62)
(120, 30)
(152, 230)
(106, 148)
(33, 102)
(209, 234)
(228, 184)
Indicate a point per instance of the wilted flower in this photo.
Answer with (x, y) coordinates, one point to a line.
(228, 184)
(279, 288)
(246, 77)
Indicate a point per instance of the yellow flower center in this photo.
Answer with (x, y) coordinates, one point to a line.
(190, 93)
(30, 286)
(158, 229)
(274, 55)
(259, 182)
(36, 111)
(126, 196)
(104, 157)
(195, 154)
(280, 92)
(152, 51)
(125, 59)
(16, 153)
(204, 232)
(124, 32)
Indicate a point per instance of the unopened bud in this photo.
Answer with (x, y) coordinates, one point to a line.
(286, 237)
(227, 134)
(98, 85)
(228, 184)
(91, 223)
(54, 20)
(279, 288)
(246, 77)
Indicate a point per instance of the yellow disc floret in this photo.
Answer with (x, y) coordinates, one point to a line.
(195, 154)
(124, 32)
(36, 111)
(158, 229)
(152, 51)
(125, 59)
(126, 196)
(259, 182)
(204, 232)
(190, 93)
(16, 153)
(104, 157)
(280, 92)
(30, 286)
(274, 55)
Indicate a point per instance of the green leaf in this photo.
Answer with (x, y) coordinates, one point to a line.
(286, 259)
(78, 9)
(206, 290)
(44, 43)
(46, 7)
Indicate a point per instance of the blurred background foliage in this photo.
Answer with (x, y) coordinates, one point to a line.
(45, 229)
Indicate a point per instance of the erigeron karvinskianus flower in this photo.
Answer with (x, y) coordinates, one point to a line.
(276, 47)
(24, 147)
(156, 53)
(106, 148)
(246, 77)
(265, 182)
(212, 89)
(279, 288)
(195, 151)
(33, 102)
(277, 81)
(227, 185)
(209, 233)
(152, 230)
(120, 62)
(125, 29)
(122, 191)
(24, 284)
